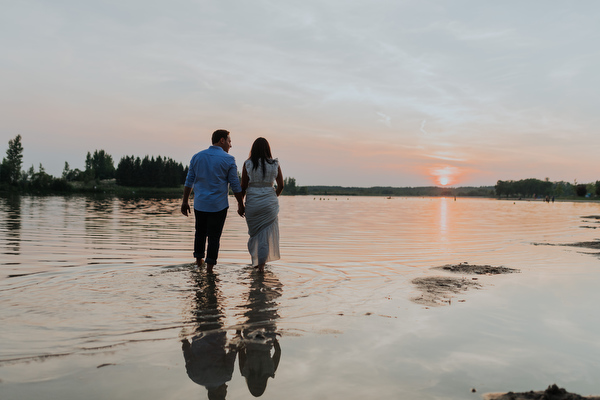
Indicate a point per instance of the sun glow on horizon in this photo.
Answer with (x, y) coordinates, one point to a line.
(444, 175)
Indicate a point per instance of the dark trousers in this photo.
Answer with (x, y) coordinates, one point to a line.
(208, 225)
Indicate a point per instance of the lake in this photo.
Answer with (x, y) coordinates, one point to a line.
(100, 301)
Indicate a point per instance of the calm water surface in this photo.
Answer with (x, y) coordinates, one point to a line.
(99, 300)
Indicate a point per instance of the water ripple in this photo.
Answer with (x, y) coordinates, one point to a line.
(81, 274)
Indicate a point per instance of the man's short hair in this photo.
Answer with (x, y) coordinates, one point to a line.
(218, 135)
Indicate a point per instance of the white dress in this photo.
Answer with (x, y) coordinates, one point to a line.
(262, 208)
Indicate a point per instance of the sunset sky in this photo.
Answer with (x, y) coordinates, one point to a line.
(350, 93)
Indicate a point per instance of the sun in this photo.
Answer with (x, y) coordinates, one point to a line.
(444, 175)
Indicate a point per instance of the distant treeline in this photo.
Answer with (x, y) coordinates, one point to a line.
(538, 188)
(426, 191)
(131, 171)
(150, 172)
(159, 172)
(162, 172)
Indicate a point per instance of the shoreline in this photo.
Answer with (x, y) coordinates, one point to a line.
(149, 192)
(110, 187)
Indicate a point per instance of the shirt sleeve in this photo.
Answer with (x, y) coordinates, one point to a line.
(191, 175)
(233, 179)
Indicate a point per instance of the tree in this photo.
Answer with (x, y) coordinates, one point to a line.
(502, 188)
(88, 174)
(66, 171)
(40, 180)
(524, 187)
(125, 173)
(103, 165)
(581, 190)
(591, 188)
(88, 162)
(10, 171)
(99, 166)
(564, 189)
(150, 172)
(289, 186)
(597, 188)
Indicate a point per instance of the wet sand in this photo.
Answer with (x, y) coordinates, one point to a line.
(553, 392)
(440, 290)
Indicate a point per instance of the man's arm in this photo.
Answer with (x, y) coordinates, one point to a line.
(185, 205)
(189, 182)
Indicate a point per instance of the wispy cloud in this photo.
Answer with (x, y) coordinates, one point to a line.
(422, 128)
(384, 119)
(445, 156)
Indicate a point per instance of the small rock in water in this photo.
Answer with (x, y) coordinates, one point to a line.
(104, 365)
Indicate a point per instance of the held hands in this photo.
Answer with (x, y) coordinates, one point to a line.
(185, 209)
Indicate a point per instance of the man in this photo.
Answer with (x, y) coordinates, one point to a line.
(210, 174)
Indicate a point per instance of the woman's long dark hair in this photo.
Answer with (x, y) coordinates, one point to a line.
(260, 151)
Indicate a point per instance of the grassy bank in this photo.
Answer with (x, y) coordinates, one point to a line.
(107, 187)
(110, 188)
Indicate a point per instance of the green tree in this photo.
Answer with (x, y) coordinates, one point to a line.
(40, 180)
(125, 173)
(99, 166)
(559, 189)
(502, 188)
(150, 172)
(88, 162)
(289, 185)
(66, 171)
(591, 188)
(69, 174)
(581, 190)
(597, 188)
(10, 171)
(103, 165)
(88, 173)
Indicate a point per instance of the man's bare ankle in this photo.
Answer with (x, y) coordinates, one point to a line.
(209, 268)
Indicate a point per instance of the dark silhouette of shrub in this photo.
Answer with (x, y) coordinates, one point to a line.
(581, 190)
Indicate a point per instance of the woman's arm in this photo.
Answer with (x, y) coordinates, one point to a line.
(279, 181)
(245, 180)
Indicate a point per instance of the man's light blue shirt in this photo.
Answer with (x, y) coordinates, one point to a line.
(210, 174)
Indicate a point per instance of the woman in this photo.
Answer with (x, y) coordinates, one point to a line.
(260, 171)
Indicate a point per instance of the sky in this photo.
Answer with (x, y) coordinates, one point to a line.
(348, 93)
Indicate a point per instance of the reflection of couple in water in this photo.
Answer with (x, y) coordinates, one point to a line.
(210, 356)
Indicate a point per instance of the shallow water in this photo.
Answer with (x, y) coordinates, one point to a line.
(99, 300)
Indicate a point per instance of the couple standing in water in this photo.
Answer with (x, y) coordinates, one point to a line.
(210, 174)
